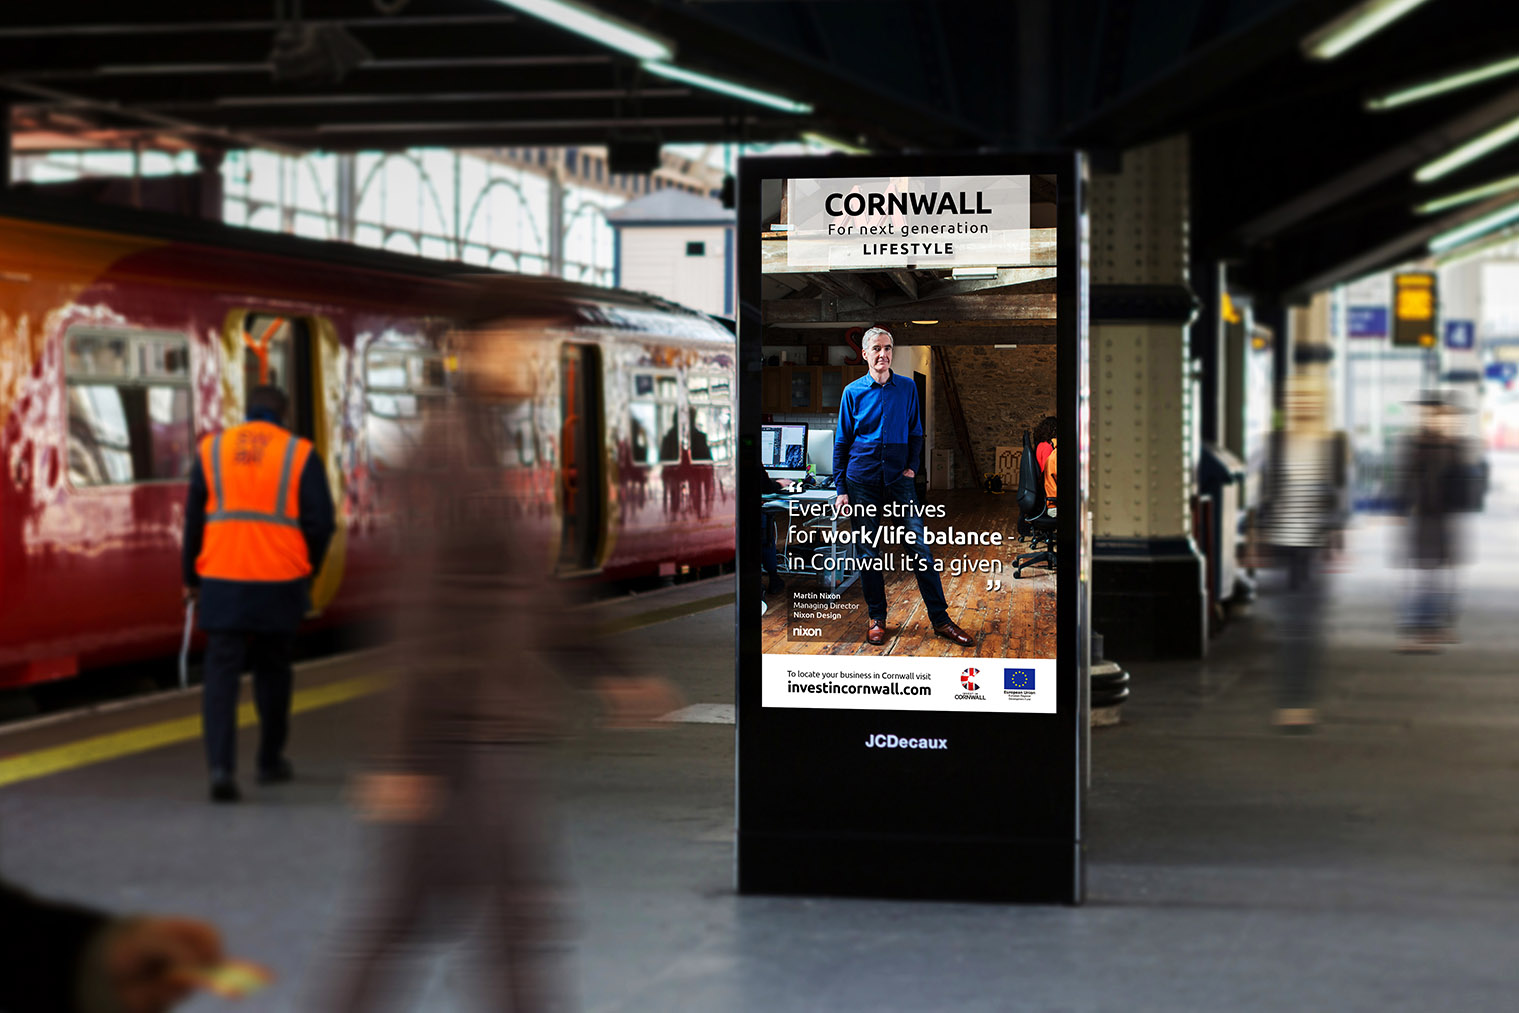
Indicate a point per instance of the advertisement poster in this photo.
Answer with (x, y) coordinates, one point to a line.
(892, 578)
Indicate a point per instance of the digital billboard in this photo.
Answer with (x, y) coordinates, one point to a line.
(911, 605)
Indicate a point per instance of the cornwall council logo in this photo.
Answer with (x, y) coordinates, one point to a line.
(968, 679)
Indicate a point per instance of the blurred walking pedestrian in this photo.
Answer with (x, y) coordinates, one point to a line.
(1433, 484)
(461, 795)
(1300, 505)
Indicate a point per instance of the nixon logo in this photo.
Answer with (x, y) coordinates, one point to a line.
(897, 742)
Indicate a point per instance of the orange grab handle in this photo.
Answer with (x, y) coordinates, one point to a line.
(260, 348)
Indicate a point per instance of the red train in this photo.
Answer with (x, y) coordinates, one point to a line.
(125, 337)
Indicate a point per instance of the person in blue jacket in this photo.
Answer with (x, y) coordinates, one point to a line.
(877, 449)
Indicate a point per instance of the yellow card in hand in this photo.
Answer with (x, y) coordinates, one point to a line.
(234, 979)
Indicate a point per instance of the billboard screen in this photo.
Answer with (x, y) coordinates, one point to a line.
(909, 581)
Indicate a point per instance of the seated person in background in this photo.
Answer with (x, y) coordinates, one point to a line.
(1044, 453)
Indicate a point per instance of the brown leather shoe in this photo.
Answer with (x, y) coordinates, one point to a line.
(876, 635)
(949, 631)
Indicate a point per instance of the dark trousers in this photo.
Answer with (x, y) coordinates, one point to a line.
(228, 655)
(1300, 632)
(488, 846)
(873, 581)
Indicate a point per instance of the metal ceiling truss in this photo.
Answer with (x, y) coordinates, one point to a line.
(444, 72)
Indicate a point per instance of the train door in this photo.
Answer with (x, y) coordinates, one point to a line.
(292, 353)
(277, 351)
(581, 486)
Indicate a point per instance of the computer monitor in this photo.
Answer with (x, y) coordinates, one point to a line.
(783, 447)
(820, 450)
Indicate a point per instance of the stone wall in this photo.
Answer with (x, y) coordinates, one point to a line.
(1003, 391)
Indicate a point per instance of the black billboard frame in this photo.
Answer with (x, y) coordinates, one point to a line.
(782, 753)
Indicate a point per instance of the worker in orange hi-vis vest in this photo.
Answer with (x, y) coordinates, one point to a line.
(258, 520)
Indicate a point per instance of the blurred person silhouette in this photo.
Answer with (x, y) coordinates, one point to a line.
(1300, 517)
(60, 958)
(460, 796)
(1433, 484)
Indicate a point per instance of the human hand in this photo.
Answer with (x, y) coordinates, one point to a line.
(396, 797)
(152, 963)
(637, 702)
(841, 503)
(191, 594)
(909, 473)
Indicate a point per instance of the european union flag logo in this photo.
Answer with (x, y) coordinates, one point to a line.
(1017, 678)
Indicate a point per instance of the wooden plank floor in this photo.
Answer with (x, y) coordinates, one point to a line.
(1015, 621)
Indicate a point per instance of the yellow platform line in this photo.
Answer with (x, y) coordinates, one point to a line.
(55, 759)
(664, 615)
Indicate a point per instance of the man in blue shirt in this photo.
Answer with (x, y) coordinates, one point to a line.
(876, 451)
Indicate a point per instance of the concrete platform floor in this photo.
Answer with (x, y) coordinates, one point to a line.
(1373, 865)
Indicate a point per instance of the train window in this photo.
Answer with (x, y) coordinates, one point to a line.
(385, 368)
(400, 382)
(404, 370)
(711, 416)
(128, 408)
(163, 357)
(102, 355)
(668, 423)
(643, 432)
(100, 442)
(521, 447)
(654, 418)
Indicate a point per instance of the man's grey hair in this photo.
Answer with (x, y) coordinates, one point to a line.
(876, 332)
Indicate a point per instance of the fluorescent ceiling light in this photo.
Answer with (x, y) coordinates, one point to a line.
(1469, 152)
(1355, 26)
(598, 27)
(1467, 196)
(1441, 85)
(1475, 228)
(717, 84)
(827, 141)
(965, 273)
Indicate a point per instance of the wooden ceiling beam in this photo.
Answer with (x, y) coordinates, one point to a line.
(985, 306)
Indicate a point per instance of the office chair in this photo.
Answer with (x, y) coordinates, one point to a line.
(1034, 507)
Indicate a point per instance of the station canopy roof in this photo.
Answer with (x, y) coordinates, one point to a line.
(383, 74)
(1296, 177)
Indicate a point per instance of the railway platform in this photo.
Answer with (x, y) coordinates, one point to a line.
(1367, 866)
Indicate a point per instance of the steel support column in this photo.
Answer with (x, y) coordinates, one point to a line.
(347, 197)
(1148, 574)
(556, 218)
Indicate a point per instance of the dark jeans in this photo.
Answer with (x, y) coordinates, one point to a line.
(1301, 629)
(874, 581)
(228, 654)
(1431, 602)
